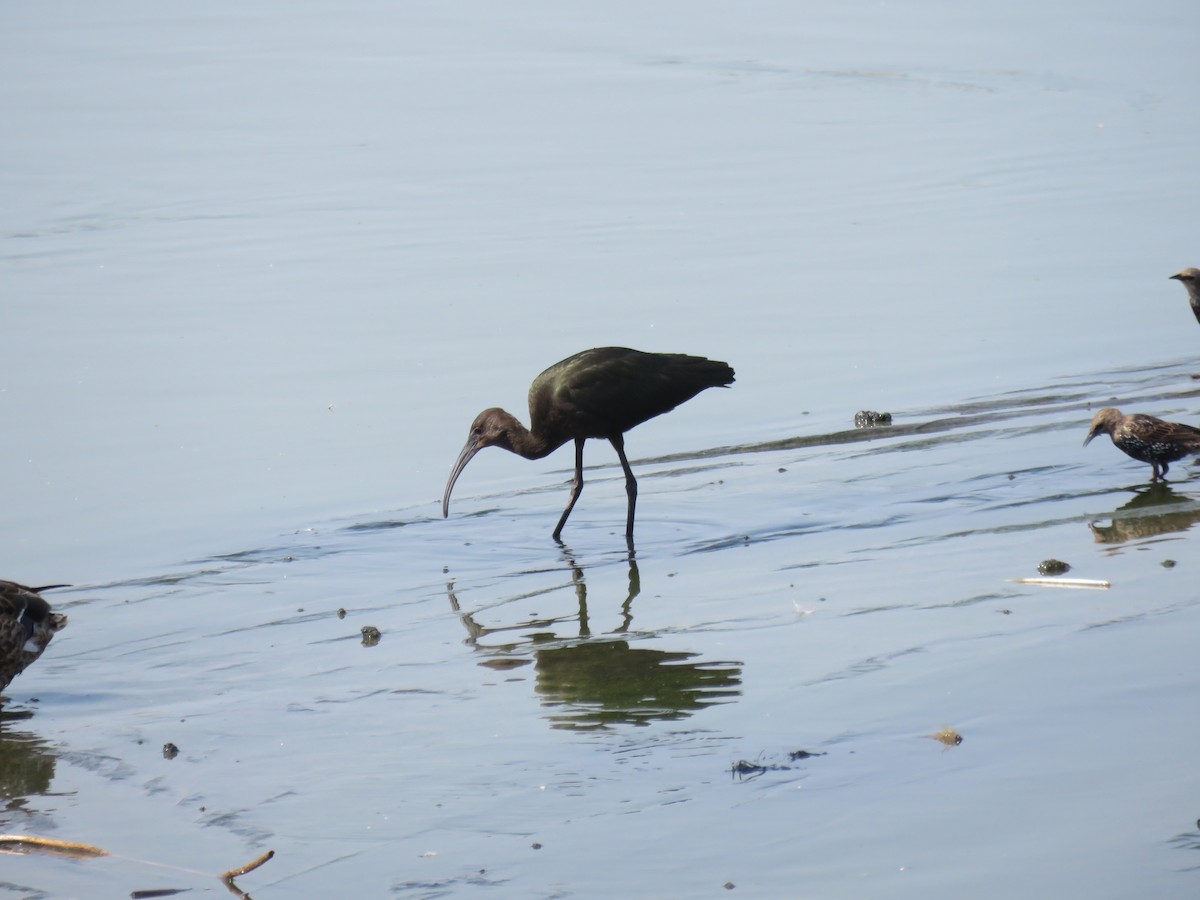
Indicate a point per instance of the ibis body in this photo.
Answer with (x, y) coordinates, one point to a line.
(598, 393)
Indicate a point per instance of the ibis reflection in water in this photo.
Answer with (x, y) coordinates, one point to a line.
(599, 393)
(590, 681)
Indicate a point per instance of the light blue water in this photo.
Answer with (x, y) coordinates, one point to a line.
(262, 265)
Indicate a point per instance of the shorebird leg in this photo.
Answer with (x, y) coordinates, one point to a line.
(618, 443)
(576, 488)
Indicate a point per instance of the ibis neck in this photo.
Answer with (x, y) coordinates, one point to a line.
(524, 442)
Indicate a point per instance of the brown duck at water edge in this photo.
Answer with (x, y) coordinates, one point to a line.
(599, 393)
(1146, 438)
(26, 626)
(1188, 278)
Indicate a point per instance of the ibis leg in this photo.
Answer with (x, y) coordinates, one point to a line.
(576, 488)
(618, 443)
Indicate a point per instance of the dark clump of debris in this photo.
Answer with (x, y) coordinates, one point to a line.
(370, 635)
(866, 418)
(1053, 567)
(170, 751)
(745, 769)
(802, 754)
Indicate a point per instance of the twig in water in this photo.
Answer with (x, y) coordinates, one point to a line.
(248, 867)
(22, 843)
(1065, 582)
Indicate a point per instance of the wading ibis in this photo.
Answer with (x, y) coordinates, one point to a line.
(1146, 438)
(599, 393)
(26, 627)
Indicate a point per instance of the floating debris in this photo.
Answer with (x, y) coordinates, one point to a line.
(1065, 582)
(370, 635)
(744, 768)
(26, 843)
(1053, 567)
(866, 418)
(170, 751)
(248, 867)
(1168, 563)
(802, 754)
(947, 736)
(341, 613)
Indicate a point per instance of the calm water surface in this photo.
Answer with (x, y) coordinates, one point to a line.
(261, 265)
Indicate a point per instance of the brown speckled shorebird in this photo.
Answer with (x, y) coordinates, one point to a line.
(26, 627)
(1187, 278)
(1146, 438)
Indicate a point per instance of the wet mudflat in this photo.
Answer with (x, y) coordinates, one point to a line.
(529, 703)
(263, 264)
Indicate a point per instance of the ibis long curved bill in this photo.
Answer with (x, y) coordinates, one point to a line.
(470, 448)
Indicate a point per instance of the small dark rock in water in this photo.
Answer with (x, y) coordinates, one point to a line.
(1168, 563)
(866, 418)
(341, 613)
(1053, 567)
(170, 751)
(536, 845)
(729, 885)
(370, 635)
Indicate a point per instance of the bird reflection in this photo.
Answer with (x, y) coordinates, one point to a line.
(26, 768)
(598, 683)
(1155, 510)
(592, 681)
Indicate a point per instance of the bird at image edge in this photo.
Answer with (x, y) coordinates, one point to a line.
(598, 393)
(1190, 279)
(1146, 438)
(27, 625)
